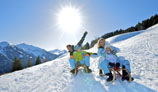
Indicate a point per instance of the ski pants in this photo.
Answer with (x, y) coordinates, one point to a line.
(126, 64)
(85, 61)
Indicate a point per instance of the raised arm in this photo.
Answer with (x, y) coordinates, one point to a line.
(79, 44)
(82, 39)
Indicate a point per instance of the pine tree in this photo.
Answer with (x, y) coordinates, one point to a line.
(29, 63)
(38, 61)
(17, 64)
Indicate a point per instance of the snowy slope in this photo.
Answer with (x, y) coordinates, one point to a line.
(54, 76)
(142, 51)
(122, 37)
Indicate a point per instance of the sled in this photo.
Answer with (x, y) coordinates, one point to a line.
(79, 66)
(118, 72)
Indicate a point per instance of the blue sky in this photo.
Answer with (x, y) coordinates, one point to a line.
(34, 21)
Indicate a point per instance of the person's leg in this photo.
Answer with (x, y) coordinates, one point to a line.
(86, 61)
(104, 66)
(72, 63)
(126, 65)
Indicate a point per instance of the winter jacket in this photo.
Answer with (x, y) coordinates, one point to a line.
(102, 53)
(111, 58)
(79, 55)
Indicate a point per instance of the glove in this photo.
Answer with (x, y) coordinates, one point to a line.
(114, 52)
(85, 33)
(111, 64)
(94, 53)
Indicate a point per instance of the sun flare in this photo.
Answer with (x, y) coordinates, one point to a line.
(69, 19)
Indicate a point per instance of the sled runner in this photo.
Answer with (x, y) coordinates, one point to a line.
(81, 66)
(119, 72)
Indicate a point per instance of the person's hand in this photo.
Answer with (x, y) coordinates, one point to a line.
(114, 52)
(94, 53)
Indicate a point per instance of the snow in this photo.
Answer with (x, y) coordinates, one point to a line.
(54, 76)
(55, 51)
(21, 56)
(122, 37)
(31, 49)
(142, 51)
(58, 52)
(3, 44)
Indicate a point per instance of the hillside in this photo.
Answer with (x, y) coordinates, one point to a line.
(141, 50)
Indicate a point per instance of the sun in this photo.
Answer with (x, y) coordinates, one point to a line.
(69, 19)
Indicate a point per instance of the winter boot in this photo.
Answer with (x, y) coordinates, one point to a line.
(73, 71)
(100, 72)
(87, 70)
(110, 77)
(125, 76)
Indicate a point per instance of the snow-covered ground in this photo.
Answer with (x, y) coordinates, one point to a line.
(140, 49)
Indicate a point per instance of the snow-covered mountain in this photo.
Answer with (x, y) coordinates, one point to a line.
(58, 52)
(4, 44)
(36, 51)
(141, 50)
(22, 51)
(9, 52)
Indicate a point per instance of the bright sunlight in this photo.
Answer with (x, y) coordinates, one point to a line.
(69, 19)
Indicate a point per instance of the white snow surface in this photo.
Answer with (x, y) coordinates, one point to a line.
(141, 50)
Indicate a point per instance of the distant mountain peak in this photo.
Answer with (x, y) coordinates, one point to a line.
(55, 50)
(4, 44)
(58, 52)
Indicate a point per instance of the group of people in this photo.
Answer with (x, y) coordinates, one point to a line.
(107, 58)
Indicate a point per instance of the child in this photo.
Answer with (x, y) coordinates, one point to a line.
(115, 62)
(113, 59)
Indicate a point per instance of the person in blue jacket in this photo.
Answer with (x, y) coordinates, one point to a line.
(105, 63)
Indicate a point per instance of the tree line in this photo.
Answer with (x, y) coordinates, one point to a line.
(17, 63)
